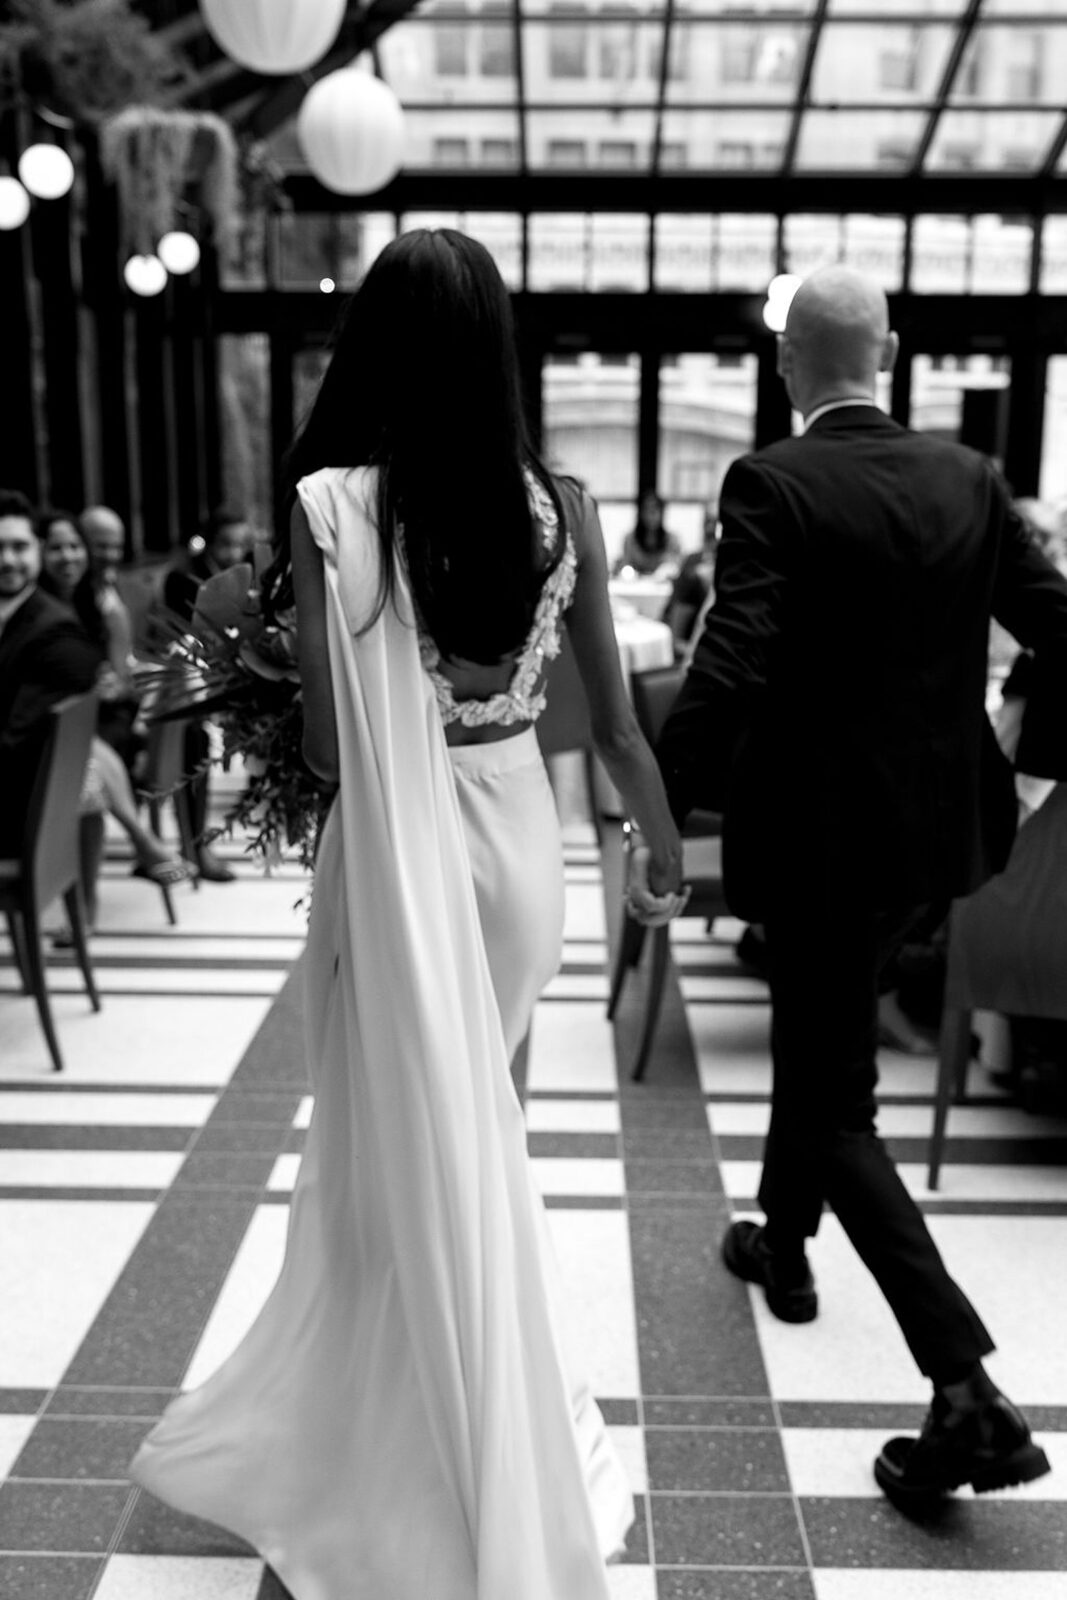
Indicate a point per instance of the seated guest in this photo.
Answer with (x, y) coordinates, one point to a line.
(45, 656)
(693, 587)
(225, 542)
(64, 564)
(650, 546)
(106, 618)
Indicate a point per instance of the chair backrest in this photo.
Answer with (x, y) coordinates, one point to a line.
(1007, 948)
(654, 692)
(565, 723)
(50, 842)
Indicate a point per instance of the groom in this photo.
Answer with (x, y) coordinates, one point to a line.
(834, 712)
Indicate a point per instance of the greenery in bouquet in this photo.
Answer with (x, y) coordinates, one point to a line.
(232, 666)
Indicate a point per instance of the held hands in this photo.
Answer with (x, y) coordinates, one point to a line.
(645, 906)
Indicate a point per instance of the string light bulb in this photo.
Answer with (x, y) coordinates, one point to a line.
(47, 171)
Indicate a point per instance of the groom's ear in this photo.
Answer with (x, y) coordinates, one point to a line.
(890, 351)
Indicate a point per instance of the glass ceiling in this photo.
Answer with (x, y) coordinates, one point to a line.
(714, 86)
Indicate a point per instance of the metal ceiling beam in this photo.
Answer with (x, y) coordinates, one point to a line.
(896, 194)
(362, 27)
(661, 87)
(800, 105)
(956, 54)
(1055, 151)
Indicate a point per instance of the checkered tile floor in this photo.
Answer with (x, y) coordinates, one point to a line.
(142, 1214)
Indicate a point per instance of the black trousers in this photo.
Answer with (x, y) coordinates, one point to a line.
(826, 948)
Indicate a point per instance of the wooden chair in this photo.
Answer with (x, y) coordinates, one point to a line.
(1007, 952)
(49, 863)
(654, 692)
(163, 780)
(565, 723)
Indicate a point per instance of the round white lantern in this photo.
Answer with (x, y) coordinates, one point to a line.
(145, 275)
(783, 287)
(775, 313)
(179, 252)
(46, 170)
(351, 130)
(274, 36)
(14, 204)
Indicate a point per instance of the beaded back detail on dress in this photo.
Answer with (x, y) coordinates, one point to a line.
(524, 698)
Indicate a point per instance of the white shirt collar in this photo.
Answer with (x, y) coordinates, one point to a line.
(837, 405)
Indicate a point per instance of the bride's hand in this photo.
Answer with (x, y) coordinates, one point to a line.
(652, 910)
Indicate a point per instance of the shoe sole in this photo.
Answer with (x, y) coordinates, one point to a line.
(797, 1307)
(1022, 1466)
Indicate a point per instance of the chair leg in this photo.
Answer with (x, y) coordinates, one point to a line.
(631, 943)
(661, 949)
(17, 936)
(155, 820)
(954, 1054)
(38, 983)
(187, 834)
(73, 902)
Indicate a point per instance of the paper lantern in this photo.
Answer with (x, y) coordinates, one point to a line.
(351, 130)
(14, 204)
(274, 36)
(780, 292)
(145, 275)
(179, 252)
(46, 170)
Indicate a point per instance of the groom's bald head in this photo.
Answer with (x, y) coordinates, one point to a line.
(836, 338)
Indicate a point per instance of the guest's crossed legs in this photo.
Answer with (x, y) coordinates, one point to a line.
(825, 958)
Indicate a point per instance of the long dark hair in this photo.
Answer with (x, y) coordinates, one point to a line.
(423, 383)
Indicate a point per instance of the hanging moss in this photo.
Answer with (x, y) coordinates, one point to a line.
(156, 158)
(88, 58)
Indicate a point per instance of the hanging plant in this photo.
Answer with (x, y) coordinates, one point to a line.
(88, 58)
(155, 157)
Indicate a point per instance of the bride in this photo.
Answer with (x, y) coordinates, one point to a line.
(399, 1424)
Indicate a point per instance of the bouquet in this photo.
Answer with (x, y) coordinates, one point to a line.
(231, 665)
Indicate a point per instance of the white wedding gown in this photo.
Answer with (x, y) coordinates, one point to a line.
(398, 1425)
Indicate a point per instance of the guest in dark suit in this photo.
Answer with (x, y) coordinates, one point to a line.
(44, 655)
(226, 541)
(834, 713)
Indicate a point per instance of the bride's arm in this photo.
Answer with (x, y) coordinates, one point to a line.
(309, 587)
(619, 742)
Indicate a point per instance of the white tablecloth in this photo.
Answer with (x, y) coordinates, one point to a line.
(646, 596)
(643, 644)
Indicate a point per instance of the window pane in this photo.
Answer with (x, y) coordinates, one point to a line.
(1020, 65)
(707, 419)
(590, 408)
(1001, 251)
(994, 141)
(875, 245)
(857, 140)
(714, 141)
(684, 253)
(879, 62)
(568, 45)
(588, 138)
(940, 248)
(1054, 256)
(557, 244)
(444, 140)
(496, 43)
(811, 242)
(501, 233)
(746, 249)
(619, 253)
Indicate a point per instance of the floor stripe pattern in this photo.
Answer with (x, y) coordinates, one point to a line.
(143, 1205)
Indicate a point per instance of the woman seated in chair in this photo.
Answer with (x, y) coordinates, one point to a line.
(107, 787)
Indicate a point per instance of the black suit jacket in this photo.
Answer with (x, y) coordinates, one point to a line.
(835, 708)
(45, 654)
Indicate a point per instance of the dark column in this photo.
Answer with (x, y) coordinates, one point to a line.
(189, 490)
(103, 345)
(648, 422)
(281, 413)
(773, 411)
(210, 409)
(59, 412)
(150, 317)
(1026, 419)
(900, 407)
(17, 460)
(984, 421)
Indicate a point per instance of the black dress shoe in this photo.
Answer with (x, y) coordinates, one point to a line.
(790, 1287)
(984, 1442)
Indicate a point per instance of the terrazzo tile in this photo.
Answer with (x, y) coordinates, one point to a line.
(647, 1108)
(225, 1169)
(87, 1448)
(592, 1251)
(150, 1323)
(630, 1444)
(117, 1109)
(75, 1517)
(249, 1280)
(694, 1323)
(154, 1529)
(21, 1402)
(636, 1552)
(716, 1460)
(235, 1138)
(672, 1177)
(102, 1401)
(58, 1262)
(940, 1585)
(36, 1136)
(571, 1048)
(87, 1169)
(735, 1583)
(14, 1431)
(39, 1577)
(975, 1534)
(825, 1462)
(572, 1116)
(727, 1413)
(180, 1578)
(631, 1583)
(560, 1175)
(726, 1530)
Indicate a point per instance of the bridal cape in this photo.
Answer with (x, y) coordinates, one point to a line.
(398, 1424)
